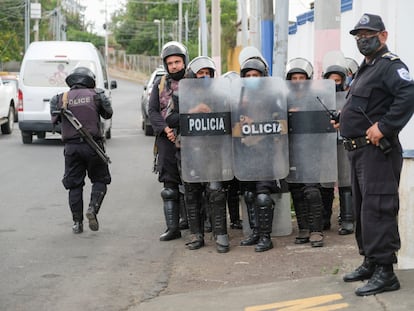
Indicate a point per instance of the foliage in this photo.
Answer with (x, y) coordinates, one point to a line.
(135, 30)
(133, 27)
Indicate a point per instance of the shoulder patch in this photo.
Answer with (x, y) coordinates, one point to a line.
(390, 56)
(404, 74)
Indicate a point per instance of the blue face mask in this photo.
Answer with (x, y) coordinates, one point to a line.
(206, 81)
(251, 83)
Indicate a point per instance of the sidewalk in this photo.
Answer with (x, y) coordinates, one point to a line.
(317, 293)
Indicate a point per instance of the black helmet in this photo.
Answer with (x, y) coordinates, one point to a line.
(174, 48)
(83, 76)
(335, 69)
(299, 65)
(254, 63)
(199, 63)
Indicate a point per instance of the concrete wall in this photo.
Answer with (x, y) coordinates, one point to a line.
(399, 22)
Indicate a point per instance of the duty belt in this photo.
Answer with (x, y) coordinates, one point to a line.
(355, 143)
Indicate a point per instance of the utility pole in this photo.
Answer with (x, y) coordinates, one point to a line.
(327, 31)
(215, 34)
(281, 32)
(26, 24)
(180, 20)
(203, 27)
(267, 32)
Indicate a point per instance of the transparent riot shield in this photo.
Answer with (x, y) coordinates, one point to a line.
(205, 130)
(344, 168)
(259, 121)
(312, 138)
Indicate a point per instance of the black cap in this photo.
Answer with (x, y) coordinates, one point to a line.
(369, 22)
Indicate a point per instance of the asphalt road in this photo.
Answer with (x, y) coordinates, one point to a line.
(46, 267)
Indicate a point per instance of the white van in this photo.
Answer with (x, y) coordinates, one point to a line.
(44, 68)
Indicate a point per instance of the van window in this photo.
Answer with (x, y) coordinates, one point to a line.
(52, 73)
(104, 71)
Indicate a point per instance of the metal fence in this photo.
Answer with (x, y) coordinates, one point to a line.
(133, 62)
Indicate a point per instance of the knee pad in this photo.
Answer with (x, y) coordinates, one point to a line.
(312, 194)
(215, 192)
(248, 197)
(169, 194)
(264, 200)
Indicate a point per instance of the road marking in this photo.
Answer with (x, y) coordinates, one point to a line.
(307, 304)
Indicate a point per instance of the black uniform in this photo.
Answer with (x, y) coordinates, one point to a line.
(162, 97)
(384, 91)
(87, 105)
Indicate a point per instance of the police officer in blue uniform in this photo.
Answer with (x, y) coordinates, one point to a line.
(87, 104)
(164, 96)
(379, 104)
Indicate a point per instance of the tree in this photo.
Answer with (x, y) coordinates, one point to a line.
(136, 32)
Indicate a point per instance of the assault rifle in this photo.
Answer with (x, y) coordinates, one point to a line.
(84, 134)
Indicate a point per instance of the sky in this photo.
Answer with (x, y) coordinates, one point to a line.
(297, 7)
(95, 10)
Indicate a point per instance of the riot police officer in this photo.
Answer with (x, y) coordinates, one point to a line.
(87, 104)
(306, 197)
(339, 74)
(257, 195)
(203, 67)
(163, 97)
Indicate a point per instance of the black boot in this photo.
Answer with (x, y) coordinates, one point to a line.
(363, 272)
(265, 207)
(327, 195)
(217, 201)
(346, 211)
(254, 237)
(171, 213)
(233, 205)
(193, 201)
(94, 206)
(183, 223)
(208, 226)
(301, 211)
(76, 208)
(383, 280)
(77, 227)
(314, 201)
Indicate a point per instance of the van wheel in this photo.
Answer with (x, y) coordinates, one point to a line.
(7, 127)
(41, 135)
(27, 137)
(108, 134)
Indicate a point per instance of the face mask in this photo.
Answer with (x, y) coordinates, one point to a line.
(368, 46)
(206, 81)
(251, 83)
(338, 88)
(177, 76)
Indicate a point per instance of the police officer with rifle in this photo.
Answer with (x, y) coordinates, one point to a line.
(79, 111)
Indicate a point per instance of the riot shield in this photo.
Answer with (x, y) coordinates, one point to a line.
(344, 167)
(205, 130)
(312, 138)
(259, 121)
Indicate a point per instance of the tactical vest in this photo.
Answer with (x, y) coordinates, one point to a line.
(82, 104)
